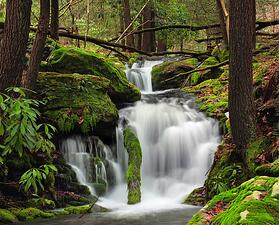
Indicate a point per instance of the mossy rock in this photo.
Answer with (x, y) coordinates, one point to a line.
(31, 213)
(7, 216)
(220, 53)
(78, 102)
(269, 169)
(74, 60)
(196, 197)
(42, 203)
(133, 147)
(255, 149)
(84, 209)
(225, 173)
(169, 69)
(253, 202)
(212, 98)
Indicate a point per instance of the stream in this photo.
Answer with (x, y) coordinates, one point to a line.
(178, 144)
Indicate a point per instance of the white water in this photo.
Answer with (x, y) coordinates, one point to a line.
(140, 74)
(177, 142)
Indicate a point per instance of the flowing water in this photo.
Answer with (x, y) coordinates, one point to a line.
(178, 145)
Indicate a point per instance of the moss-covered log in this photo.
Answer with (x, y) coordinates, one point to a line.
(73, 60)
(132, 145)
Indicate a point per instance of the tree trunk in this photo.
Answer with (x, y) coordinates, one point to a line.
(30, 77)
(223, 25)
(54, 24)
(139, 36)
(148, 44)
(127, 19)
(241, 102)
(162, 46)
(14, 43)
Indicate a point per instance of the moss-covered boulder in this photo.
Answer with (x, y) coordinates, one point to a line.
(226, 172)
(74, 60)
(132, 145)
(196, 197)
(31, 213)
(270, 169)
(78, 102)
(254, 202)
(212, 98)
(169, 69)
(7, 216)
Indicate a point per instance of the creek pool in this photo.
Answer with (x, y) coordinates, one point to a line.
(169, 217)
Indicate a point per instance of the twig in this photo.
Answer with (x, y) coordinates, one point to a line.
(89, 209)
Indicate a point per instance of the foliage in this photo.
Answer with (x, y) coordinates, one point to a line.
(34, 177)
(253, 202)
(18, 125)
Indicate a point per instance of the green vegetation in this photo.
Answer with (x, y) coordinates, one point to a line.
(169, 69)
(132, 145)
(253, 202)
(7, 217)
(74, 60)
(31, 213)
(35, 176)
(77, 102)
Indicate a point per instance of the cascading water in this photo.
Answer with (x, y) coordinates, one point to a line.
(87, 156)
(177, 142)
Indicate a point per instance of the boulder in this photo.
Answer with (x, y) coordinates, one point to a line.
(78, 103)
(74, 60)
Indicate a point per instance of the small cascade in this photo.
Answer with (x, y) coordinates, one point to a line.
(90, 159)
(140, 74)
(178, 144)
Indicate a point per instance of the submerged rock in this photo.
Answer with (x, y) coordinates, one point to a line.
(78, 103)
(132, 145)
(73, 60)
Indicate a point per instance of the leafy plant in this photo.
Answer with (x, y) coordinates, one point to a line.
(33, 178)
(18, 125)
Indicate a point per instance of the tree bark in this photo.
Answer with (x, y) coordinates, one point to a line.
(30, 77)
(241, 102)
(127, 19)
(14, 43)
(223, 23)
(148, 44)
(54, 24)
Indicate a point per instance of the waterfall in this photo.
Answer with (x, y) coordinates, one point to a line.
(140, 74)
(88, 156)
(178, 144)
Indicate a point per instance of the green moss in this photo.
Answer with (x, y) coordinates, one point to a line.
(77, 101)
(212, 98)
(269, 169)
(31, 213)
(83, 209)
(209, 62)
(41, 203)
(74, 60)
(169, 69)
(197, 220)
(220, 53)
(196, 197)
(7, 217)
(253, 151)
(250, 203)
(132, 145)
(225, 173)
